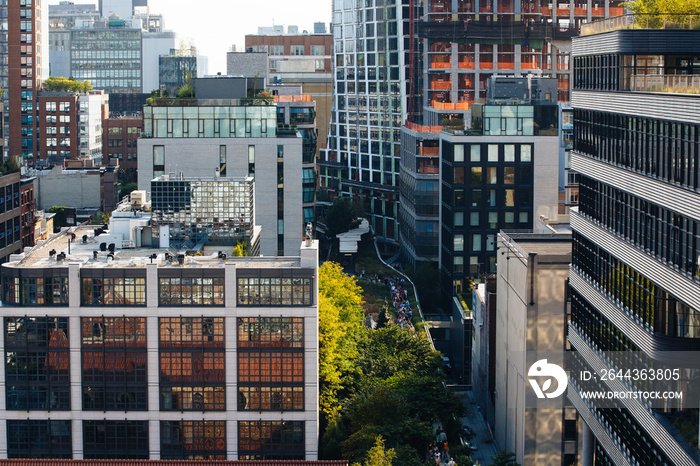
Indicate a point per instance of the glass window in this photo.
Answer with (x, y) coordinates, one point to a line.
(41, 438)
(493, 220)
(458, 243)
(508, 175)
(477, 175)
(458, 265)
(159, 156)
(101, 290)
(275, 291)
(271, 440)
(493, 153)
(191, 291)
(509, 153)
(509, 220)
(476, 242)
(459, 153)
(474, 219)
(459, 219)
(108, 439)
(492, 175)
(509, 197)
(523, 217)
(476, 198)
(193, 440)
(525, 153)
(490, 242)
(114, 363)
(459, 175)
(475, 153)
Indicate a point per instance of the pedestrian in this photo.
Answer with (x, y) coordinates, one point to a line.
(452, 462)
(437, 458)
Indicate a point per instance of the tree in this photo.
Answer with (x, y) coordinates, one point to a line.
(659, 13)
(378, 455)
(100, 218)
(340, 317)
(241, 249)
(340, 216)
(61, 84)
(9, 165)
(504, 458)
(60, 219)
(127, 189)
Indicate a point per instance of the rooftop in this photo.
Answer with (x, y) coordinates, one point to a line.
(642, 21)
(83, 253)
(540, 242)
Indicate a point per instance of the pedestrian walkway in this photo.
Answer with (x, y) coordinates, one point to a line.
(483, 445)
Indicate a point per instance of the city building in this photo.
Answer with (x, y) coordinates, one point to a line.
(27, 211)
(300, 59)
(71, 127)
(531, 316)
(108, 53)
(156, 43)
(298, 111)
(62, 19)
(634, 276)
(87, 190)
(127, 105)
(176, 70)
(503, 174)
(483, 366)
(10, 215)
(231, 137)
(119, 141)
(121, 8)
(249, 65)
(147, 353)
(23, 66)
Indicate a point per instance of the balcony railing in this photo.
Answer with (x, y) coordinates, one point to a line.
(293, 98)
(641, 21)
(673, 84)
(421, 128)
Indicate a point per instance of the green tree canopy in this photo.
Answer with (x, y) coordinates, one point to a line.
(61, 84)
(504, 458)
(661, 13)
(340, 216)
(378, 455)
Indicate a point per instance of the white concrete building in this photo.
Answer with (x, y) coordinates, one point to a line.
(185, 357)
(231, 139)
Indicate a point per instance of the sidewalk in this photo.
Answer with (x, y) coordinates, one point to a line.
(482, 440)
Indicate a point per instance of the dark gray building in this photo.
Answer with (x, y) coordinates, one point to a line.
(635, 286)
(175, 71)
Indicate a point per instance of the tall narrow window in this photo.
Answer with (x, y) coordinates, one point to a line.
(222, 160)
(251, 161)
(158, 161)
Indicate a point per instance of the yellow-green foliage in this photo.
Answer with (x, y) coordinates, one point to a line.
(340, 316)
(660, 13)
(378, 455)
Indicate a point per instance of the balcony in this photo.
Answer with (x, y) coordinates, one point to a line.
(422, 129)
(450, 105)
(292, 98)
(429, 151)
(441, 85)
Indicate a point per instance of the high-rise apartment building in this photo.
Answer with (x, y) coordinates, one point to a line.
(24, 67)
(634, 276)
(10, 215)
(143, 354)
(119, 141)
(444, 60)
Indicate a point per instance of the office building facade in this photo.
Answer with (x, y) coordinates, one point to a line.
(634, 273)
(174, 71)
(231, 137)
(10, 215)
(503, 177)
(157, 357)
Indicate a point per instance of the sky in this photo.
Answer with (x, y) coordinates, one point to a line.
(215, 25)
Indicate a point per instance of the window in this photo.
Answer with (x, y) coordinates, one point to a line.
(271, 440)
(115, 130)
(42, 438)
(270, 290)
(50, 106)
(459, 153)
(493, 220)
(64, 118)
(477, 175)
(199, 290)
(37, 363)
(508, 175)
(189, 440)
(474, 219)
(276, 49)
(271, 364)
(192, 364)
(115, 440)
(509, 153)
(493, 153)
(114, 363)
(113, 287)
(525, 153)
(475, 153)
(476, 242)
(492, 175)
(35, 291)
(297, 50)
(458, 243)
(459, 219)
(64, 106)
(251, 161)
(319, 64)
(318, 50)
(458, 265)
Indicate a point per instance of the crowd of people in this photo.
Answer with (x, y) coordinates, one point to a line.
(438, 450)
(399, 297)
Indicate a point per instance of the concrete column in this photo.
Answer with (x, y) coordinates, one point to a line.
(152, 377)
(586, 446)
(454, 72)
(231, 362)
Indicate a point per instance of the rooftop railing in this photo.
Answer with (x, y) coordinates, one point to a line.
(642, 21)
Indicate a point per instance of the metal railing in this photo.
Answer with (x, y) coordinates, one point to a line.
(674, 84)
(642, 21)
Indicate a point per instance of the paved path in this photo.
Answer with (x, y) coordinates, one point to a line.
(483, 441)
